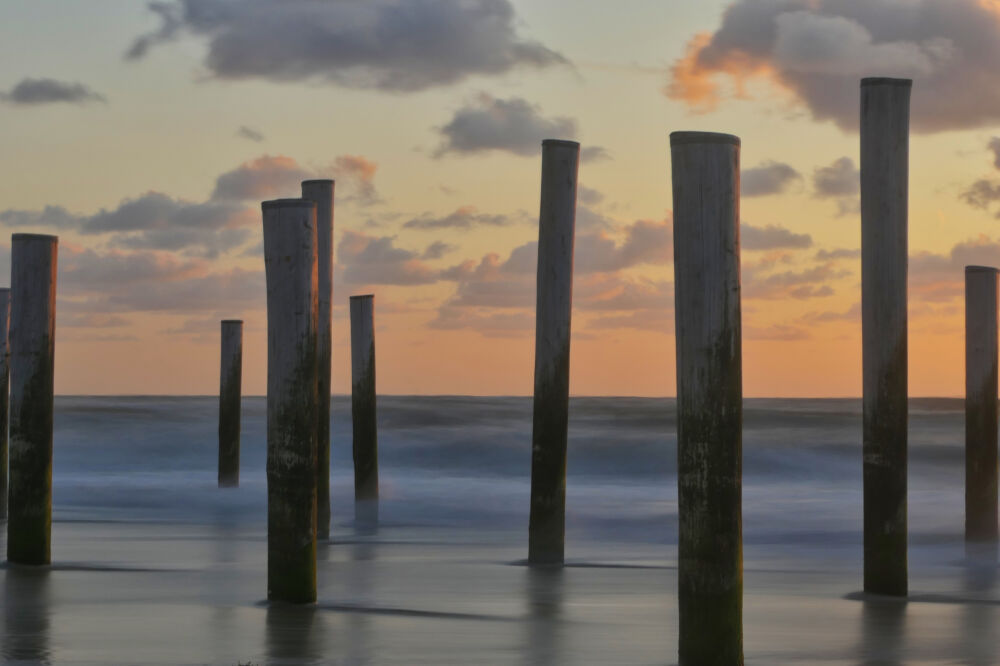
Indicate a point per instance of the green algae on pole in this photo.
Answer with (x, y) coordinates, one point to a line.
(230, 384)
(363, 413)
(885, 138)
(292, 313)
(32, 358)
(4, 395)
(706, 186)
(554, 285)
(981, 403)
(321, 192)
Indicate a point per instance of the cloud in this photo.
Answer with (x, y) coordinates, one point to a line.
(370, 260)
(464, 218)
(489, 324)
(249, 133)
(389, 45)
(34, 92)
(984, 192)
(838, 253)
(266, 177)
(594, 154)
(771, 237)
(783, 332)
(817, 50)
(358, 172)
(851, 314)
(802, 284)
(511, 125)
(437, 249)
(768, 178)
(152, 221)
(841, 182)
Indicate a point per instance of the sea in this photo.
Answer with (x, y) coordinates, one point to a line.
(153, 564)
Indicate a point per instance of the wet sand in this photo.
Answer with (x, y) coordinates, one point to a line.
(148, 593)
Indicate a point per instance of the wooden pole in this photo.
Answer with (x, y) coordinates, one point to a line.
(363, 412)
(4, 395)
(291, 273)
(556, 228)
(706, 186)
(884, 184)
(981, 403)
(321, 192)
(32, 358)
(230, 384)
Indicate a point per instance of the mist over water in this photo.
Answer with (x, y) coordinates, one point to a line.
(153, 564)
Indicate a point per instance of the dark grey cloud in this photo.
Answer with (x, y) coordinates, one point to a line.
(464, 218)
(819, 49)
(390, 45)
(152, 221)
(851, 314)
(512, 125)
(985, 192)
(51, 217)
(489, 324)
(841, 182)
(768, 178)
(250, 134)
(594, 154)
(588, 195)
(838, 253)
(802, 284)
(33, 92)
(266, 177)
(370, 260)
(438, 249)
(771, 237)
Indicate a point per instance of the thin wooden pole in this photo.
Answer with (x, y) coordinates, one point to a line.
(706, 186)
(32, 359)
(230, 393)
(4, 396)
(363, 411)
(885, 122)
(321, 192)
(556, 229)
(981, 403)
(290, 266)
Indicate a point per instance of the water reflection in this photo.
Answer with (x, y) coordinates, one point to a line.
(26, 611)
(978, 642)
(883, 627)
(291, 634)
(545, 609)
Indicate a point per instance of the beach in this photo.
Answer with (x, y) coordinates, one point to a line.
(152, 564)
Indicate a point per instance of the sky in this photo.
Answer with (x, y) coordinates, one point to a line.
(145, 135)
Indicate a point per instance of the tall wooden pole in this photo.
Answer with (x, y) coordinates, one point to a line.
(4, 395)
(706, 186)
(290, 266)
(885, 123)
(321, 192)
(981, 403)
(363, 411)
(32, 360)
(556, 228)
(230, 393)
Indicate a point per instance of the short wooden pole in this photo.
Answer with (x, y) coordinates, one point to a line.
(706, 186)
(363, 411)
(290, 267)
(556, 229)
(230, 384)
(4, 395)
(981, 403)
(321, 192)
(32, 358)
(885, 121)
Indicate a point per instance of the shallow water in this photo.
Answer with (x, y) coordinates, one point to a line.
(152, 564)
